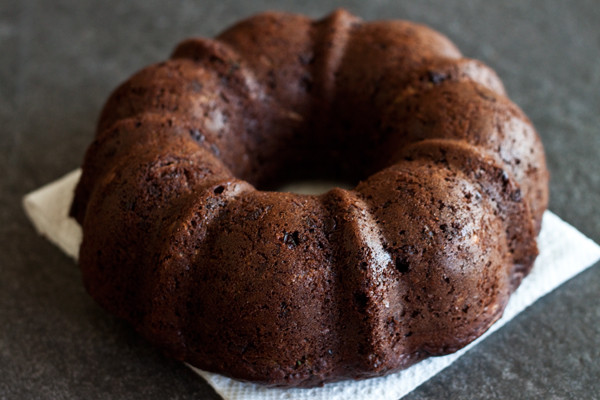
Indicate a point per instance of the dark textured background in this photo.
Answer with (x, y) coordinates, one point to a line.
(60, 59)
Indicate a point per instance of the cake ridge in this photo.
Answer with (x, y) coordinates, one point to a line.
(332, 34)
(364, 265)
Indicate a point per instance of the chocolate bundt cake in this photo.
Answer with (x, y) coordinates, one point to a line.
(186, 238)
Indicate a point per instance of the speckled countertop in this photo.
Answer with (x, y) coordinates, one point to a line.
(60, 59)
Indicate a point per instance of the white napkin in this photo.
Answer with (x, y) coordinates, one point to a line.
(564, 252)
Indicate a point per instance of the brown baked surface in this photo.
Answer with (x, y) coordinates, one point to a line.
(183, 239)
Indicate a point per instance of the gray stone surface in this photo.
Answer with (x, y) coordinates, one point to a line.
(60, 59)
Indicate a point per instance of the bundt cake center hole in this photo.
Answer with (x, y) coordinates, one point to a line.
(313, 187)
(304, 168)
